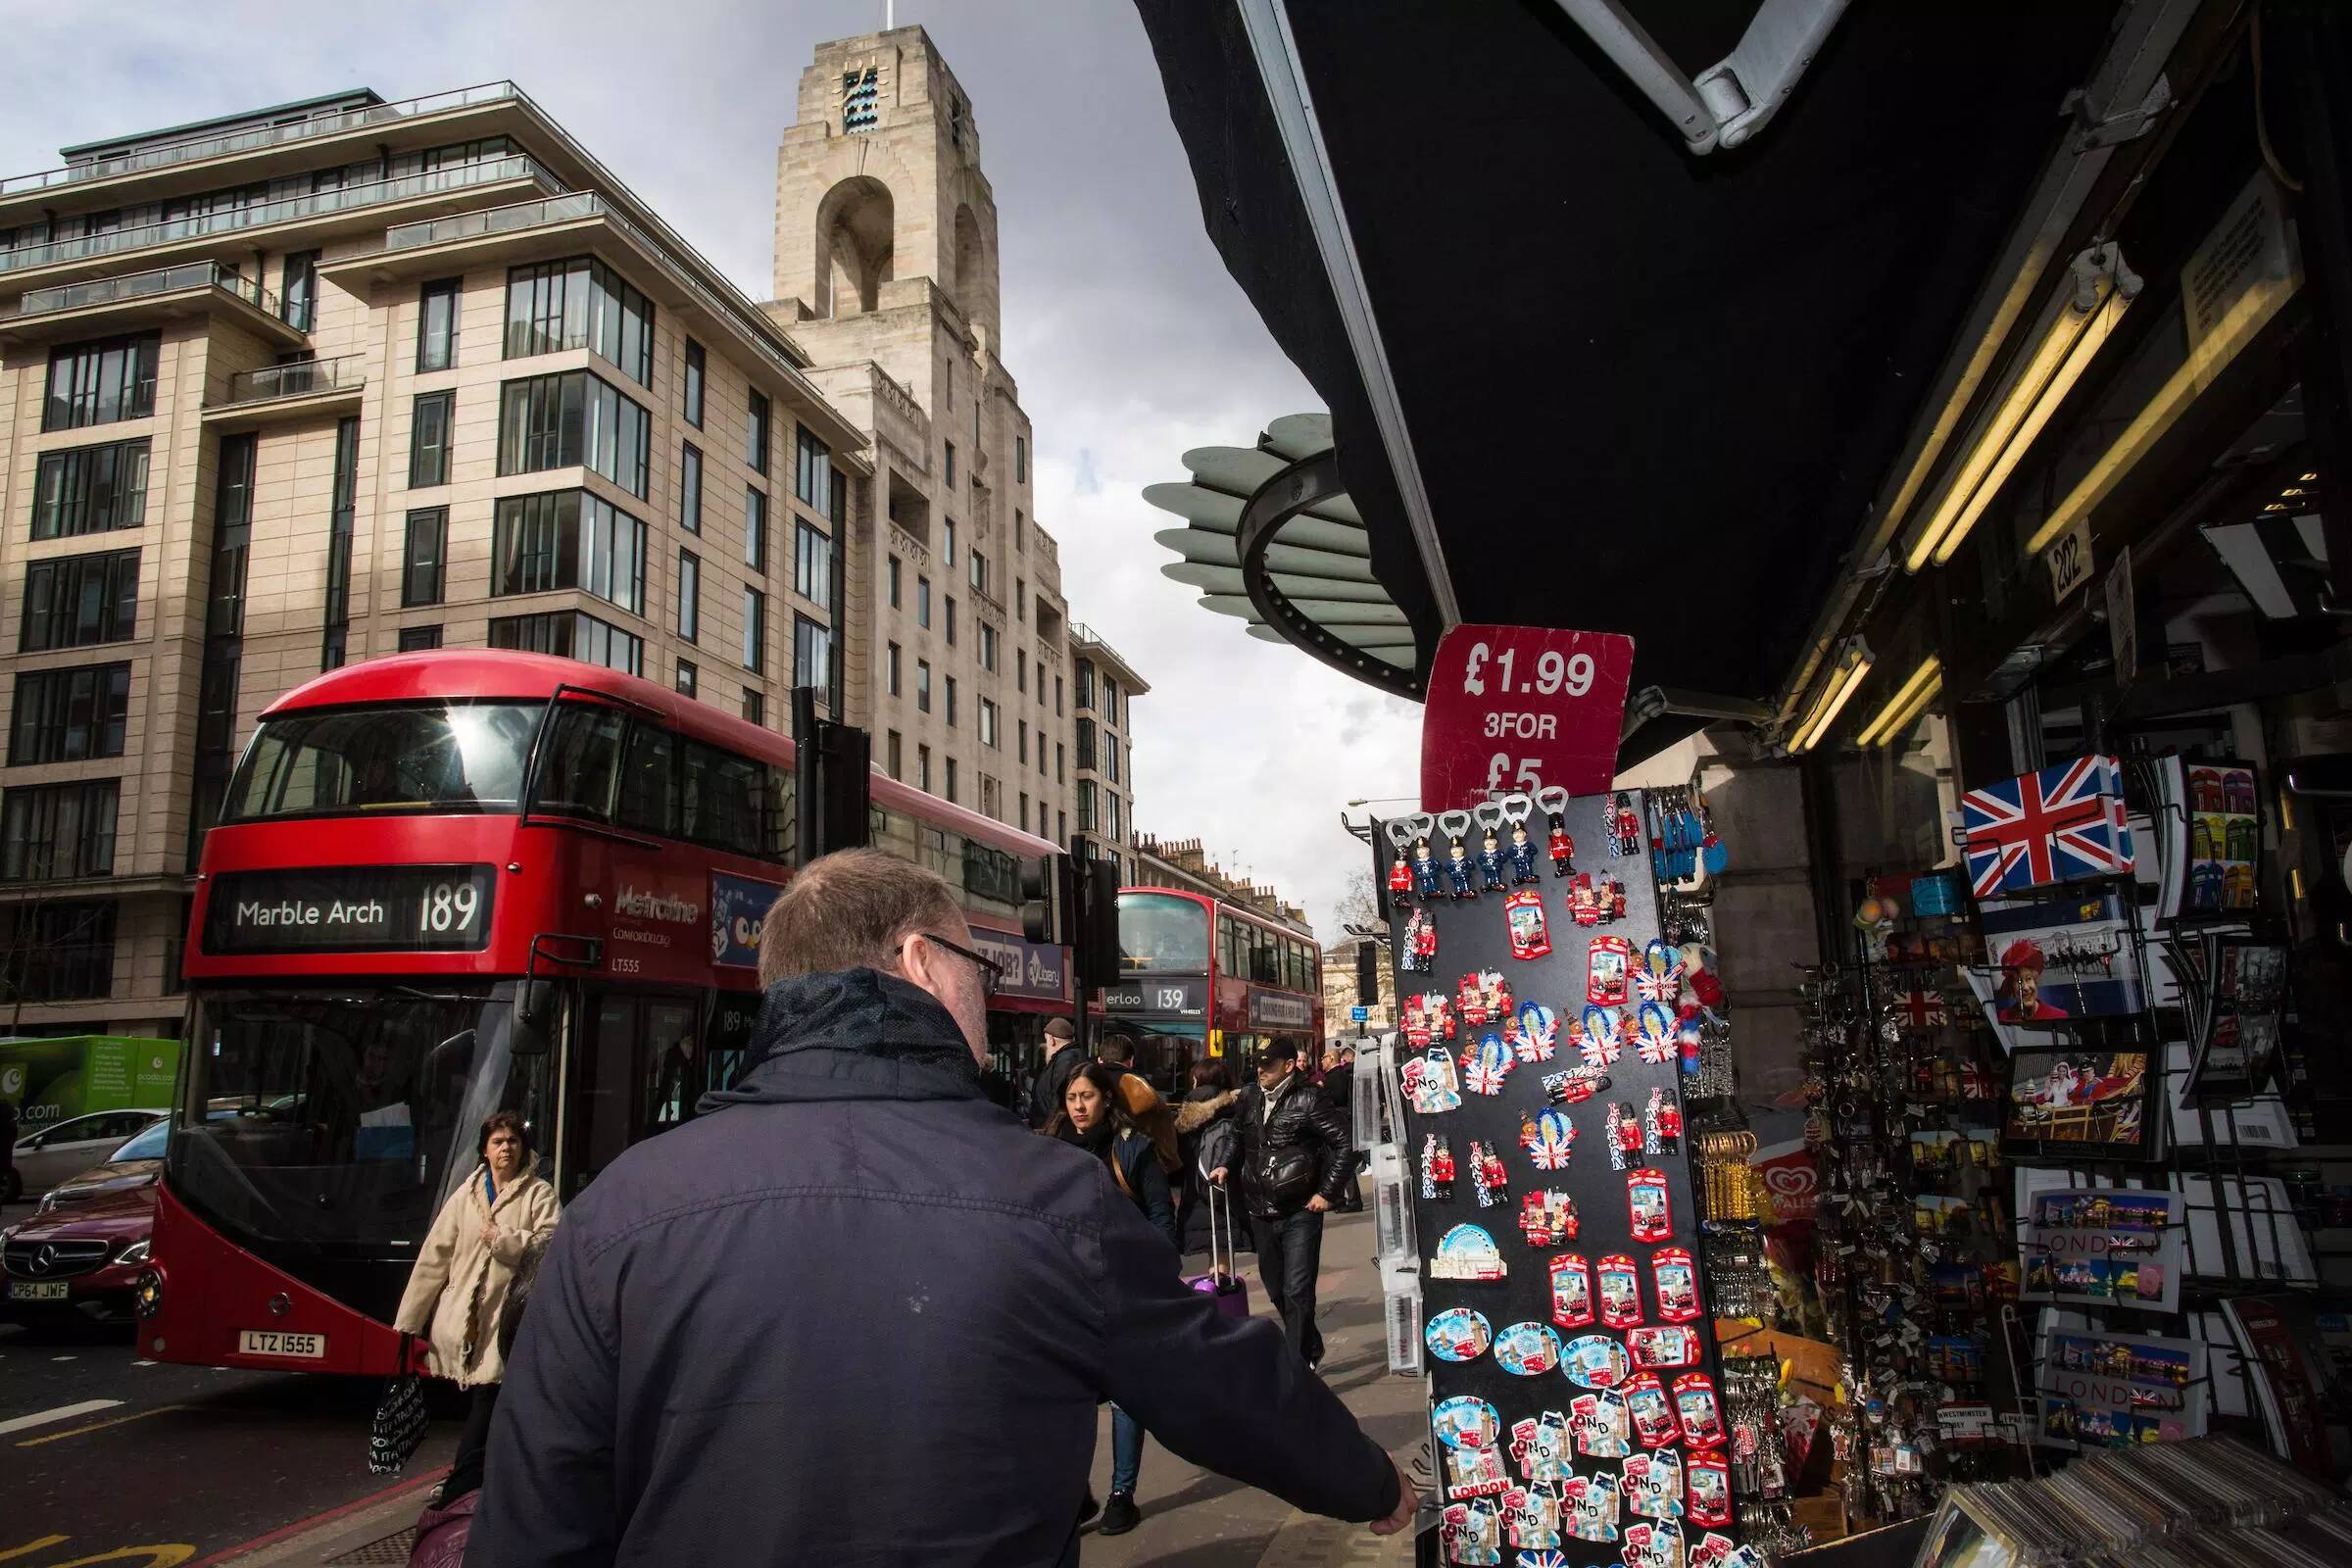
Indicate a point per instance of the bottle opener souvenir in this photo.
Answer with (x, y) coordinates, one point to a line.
(1711, 1490)
(1653, 1485)
(1677, 1283)
(1459, 878)
(1600, 1424)
(1584, 905)
(1646, 1199)
(1620, 1290)
(1672, 1345)
(1592, 1506)
(1486, 1064)
(1652, 1412)
(1575, 1086)
(1606, 965)
(1419, 950)
(1702, 1416)
(1523, 913)
(1429, 1082)
(1471, 1534)
(1626, 1123)
(1540, 1448)
(1527, 1349)
(1612, 1132)
(1571, 1292)
(1489, 817)
(1402, 832)
(1425, 870)
(1533, 1029)
(1625, 825)
(1467, 1253)
(1459, 1334)
(1656, 1031)
(1532, 1514)
(1546, 1219)
(1553, 800)
(1660, 977)
(1437, 1169)
(1595, 1361)
(1520, 851)
(1549, 1136)
(1654, 1544)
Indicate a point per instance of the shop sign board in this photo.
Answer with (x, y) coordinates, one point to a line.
(1276, 1011)
(2070, 559)
(1511, 708)
(1032, 969)
(2235, 282)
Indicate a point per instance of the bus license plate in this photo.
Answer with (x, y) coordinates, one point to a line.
(21, 1290)
(258, 1341)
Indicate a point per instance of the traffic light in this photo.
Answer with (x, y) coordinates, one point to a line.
(833, 766)
(1049, 900)
(1095, 941)
(1367, 973)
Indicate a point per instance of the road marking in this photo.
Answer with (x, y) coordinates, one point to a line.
(61, 1358)
(97, 1426)
(142, 1363)
(63, 1412)
(29, 1547)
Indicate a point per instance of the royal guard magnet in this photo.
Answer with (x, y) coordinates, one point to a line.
(1562, 849)
(1601, 1427)
(1532, 1515)
(1711, 1490)
(1653, 1485)
(1620, 1288)
(1539, 1447)
(1651, 1412)
(1654, 1031)
(1614, 906)
(1549, 1136)
(1600, 1036)
(1606, 965)
(1546, 1219)
(1420, 945)
(1625, 825)
(1533, 1029)
(1430, 1084)
(1523, 913)
(1401, 880)
(1702, 1414)
(1486, 1062)
(1663, 1347)
(1437, 1169)
(1592, 1506)
(1571, 1292)
(1493, 1183)
(1646, 1202)
(1471, 1534)
(1677, 1282)
(1575, 1086)
(1626, 1130)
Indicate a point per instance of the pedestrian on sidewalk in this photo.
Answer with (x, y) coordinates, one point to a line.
(448, 1516)
(1290, 1158)
(466, 1269)
(1207, 1103)
(1095, 1119)
(854, 1312)
(1339, 1089)
(1061, 1060)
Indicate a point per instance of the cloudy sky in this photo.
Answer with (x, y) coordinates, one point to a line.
(1130, 342)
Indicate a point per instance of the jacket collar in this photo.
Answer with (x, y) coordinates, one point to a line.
(854, 1034)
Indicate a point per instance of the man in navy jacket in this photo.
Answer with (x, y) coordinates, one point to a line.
(855, 1314)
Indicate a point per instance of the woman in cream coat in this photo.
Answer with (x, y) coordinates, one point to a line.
(459, 1286)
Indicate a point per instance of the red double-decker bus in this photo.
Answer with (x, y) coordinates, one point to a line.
(1201, 978)
(450, 883)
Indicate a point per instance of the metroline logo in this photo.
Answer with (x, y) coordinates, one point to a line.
(642, 906)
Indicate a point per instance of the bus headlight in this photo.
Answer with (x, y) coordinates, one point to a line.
(147, 1295)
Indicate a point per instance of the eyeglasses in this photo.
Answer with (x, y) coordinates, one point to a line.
(991, 974)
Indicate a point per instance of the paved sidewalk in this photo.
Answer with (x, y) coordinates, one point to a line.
(1192, 1518)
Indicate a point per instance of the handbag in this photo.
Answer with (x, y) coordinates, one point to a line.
(400, 1419)
(1289, 1174)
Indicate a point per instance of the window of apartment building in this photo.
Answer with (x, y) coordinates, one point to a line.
(1085, 685)
(922, 600)
(1022, 726)
(893, 754)
(568, 539)
(754, 630)
(1085, 806)
(690, 679)
(1111, 757)
(573, 636)
(951, 445)
(812, 652)
(922, 685)
(755, 432)
(580, 303)
(51, 832)
(695, 374)
(950, 778)
(437, 324)
(429, 418)
(690, 596)
(979, 572)
(69, 716)
(946, 539)
(1110, 699)
(922, 767)
(420, 639)
(987, 647)
(573, 419)
(90, 490)
(68, 949)
(81, 600)
(951, 702)
(890, 671)
(755, 707)
(812, 473)
(754, 527)
(1041, 751)
(424, 557)
(1022, 819)
(1061, 755)
(342, 524)
(988, 722)
(950, 620)
(1020, 460)
(1056, 695)
(894, 582)
(1020, 670)
(1041, 819)
(298, 290)
(811, 564)
(1086, 742)
(101, 382)
(690, 487)
(1061, 826)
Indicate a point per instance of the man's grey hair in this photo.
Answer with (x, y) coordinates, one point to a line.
(850, 910)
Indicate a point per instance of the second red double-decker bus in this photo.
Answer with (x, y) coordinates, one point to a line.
(1201, 978)
(450, 883)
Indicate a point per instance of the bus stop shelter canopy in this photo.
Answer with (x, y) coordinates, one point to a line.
(1579, 374)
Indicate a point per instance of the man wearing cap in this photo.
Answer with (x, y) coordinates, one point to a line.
(1291, 1159)
(1061, 1064)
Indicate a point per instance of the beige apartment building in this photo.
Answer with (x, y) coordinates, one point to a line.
(886, 272)
(342, 377)
(1106, 685)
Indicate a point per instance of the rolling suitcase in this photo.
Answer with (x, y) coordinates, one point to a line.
(1230, 1291)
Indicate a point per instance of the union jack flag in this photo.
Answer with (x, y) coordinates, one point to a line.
(1597, 1039)
(1658, 987)
(1542, 1559)
(2061, 824)
(1486, 1064)
(1923, 1009)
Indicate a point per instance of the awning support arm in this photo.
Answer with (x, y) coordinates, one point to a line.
(1731, 100)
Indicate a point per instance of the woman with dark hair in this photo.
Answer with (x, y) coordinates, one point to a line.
(466, 1269)
(1094, 1119)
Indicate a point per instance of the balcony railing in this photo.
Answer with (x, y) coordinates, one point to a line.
(252, 139)
(289, 209)
(1082, 632)
(346, 372)
(139, 285)
(493, 221)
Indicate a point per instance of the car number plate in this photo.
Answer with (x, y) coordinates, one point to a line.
(266, 1341)
(20, 1291)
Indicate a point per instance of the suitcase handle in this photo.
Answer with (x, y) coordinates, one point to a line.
(1220, 1204)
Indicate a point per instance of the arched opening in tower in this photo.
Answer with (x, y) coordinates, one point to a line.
(854, 244)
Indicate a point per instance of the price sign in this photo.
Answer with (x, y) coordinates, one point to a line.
(1514, 706)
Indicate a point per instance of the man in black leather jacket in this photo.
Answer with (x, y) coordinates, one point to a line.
(1292, 1162)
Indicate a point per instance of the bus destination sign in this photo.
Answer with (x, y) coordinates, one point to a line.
(1181, 999)
(430, 909)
